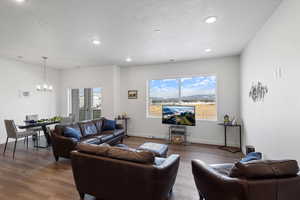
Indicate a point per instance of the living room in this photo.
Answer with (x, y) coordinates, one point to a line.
(239, 57)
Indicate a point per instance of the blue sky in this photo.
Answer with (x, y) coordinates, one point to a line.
(168, 88)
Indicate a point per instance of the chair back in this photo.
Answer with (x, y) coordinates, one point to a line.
(34, 117)
(11, 128)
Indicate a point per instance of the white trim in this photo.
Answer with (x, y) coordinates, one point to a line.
(190, 139)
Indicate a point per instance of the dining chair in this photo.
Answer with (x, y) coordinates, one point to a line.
(38, 130)
(12, 132)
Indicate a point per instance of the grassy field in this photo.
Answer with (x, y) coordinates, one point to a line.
(203, 111)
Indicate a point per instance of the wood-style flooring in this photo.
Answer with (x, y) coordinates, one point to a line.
(34, 174)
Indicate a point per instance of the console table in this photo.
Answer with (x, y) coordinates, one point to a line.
(225, 147)
(125, 120)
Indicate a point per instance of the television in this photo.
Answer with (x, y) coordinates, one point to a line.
(178, 115)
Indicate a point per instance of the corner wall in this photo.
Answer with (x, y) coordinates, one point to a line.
(272, 126)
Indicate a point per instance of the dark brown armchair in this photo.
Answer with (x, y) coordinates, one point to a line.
(258, 180)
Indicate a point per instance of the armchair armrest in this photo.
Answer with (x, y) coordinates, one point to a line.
(165, 175)
(62, 146)
(169, 162)
(213, 185)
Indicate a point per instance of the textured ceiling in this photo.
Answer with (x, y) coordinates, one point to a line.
(63, 30)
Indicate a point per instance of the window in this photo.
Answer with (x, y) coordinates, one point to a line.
(85, 103)
(198, 91)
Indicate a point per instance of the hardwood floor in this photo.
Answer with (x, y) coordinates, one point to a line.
(34, 175)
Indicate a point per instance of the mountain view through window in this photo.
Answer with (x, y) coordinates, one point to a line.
(194, 91)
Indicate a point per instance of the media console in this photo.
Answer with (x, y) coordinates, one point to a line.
(179, 131)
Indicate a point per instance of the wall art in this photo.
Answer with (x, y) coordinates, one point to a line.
(258, 92)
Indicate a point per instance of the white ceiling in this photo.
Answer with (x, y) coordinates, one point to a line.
(63, 30)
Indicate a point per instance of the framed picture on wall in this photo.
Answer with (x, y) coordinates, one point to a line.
(132, 94)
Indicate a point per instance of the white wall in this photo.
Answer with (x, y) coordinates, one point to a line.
(272, 126)
(16, 77)
(104, 77)
(135, 78)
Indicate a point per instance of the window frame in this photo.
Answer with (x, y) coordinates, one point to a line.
(69, 98)
(148, 115)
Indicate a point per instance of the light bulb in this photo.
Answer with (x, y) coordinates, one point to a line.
(20, 1)
(211, 20)
(96, 42)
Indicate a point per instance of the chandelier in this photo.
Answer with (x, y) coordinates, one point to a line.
(45, 87)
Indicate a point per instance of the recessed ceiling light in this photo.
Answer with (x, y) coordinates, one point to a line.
(20, 1)
(96, 42)
(128, 59)
(208, 50)
(157, 30)
(211, 19)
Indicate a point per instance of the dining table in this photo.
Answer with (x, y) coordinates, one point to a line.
(43, 125)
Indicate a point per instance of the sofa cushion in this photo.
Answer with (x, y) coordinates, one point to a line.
(93, 149)
(132, 155)
(72, 133)
(260, 169)
(98, 123)
(60, 129)
(92, 140)
(124, 146)
(74, 139)
(127, 154)
(252, 156)
(106, 138)
(107, 132)
(223, 169)
(108, 125)
(88, 128)
(118, 132)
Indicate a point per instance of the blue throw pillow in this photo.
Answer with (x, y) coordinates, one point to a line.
(109, 125)
(72, 133)
(252, 156)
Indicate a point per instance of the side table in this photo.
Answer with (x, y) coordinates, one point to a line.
(125, 123)
(225, 147)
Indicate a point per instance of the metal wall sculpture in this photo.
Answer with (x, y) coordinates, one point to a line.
(258, 92)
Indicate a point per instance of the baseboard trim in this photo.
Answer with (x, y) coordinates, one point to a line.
(190, 139)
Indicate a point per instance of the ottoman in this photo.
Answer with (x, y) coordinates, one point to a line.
(160, 150)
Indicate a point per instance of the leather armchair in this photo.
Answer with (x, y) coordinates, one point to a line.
(214, 183)
(109, 178)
